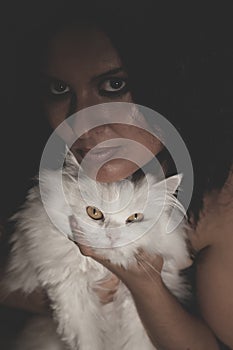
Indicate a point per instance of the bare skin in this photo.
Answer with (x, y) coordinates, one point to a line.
(213, 238)
(81, 75)
(214, 241)
(214, 268)
(167, 323)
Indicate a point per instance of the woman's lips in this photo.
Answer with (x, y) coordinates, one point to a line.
(99, 154)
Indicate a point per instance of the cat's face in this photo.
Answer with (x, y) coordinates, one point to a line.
(116, 214)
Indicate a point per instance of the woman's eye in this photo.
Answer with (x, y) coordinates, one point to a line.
(113, 85)
(59, 88)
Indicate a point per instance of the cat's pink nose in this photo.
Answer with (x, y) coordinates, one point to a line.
(112, 234)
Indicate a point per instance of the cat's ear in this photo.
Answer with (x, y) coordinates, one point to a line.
(71, 164)
(171, 183)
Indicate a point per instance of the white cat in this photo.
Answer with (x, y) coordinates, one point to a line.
(116, 219)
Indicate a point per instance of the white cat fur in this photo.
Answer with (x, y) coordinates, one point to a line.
(44, 257)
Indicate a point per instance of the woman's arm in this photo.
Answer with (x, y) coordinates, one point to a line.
(36, 302)
(215, 290)
(213, 238)
(168, 325)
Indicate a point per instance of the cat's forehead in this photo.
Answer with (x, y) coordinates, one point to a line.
(121, 196)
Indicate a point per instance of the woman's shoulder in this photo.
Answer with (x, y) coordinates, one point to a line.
(215, 225)
(213, 240)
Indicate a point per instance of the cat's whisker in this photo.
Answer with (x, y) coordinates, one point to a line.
(79, 237)
(140, 263)
(152, 267)
(144, 264)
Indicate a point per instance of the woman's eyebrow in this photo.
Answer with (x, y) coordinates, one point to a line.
(45, 75)
(109, 72)
(96, 77)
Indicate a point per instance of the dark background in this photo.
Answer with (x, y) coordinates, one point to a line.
(23, 131)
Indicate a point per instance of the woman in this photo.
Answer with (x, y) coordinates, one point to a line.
(84, 67)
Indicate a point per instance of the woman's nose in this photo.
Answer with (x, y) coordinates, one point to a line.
(91, 113)
(84, 98)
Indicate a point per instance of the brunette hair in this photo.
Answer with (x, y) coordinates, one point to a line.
(179, 63)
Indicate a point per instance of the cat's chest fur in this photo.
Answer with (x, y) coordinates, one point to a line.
(115, 219)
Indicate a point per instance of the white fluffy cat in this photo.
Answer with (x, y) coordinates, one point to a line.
(116, 219)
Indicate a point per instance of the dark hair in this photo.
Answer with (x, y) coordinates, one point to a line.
(179, 62)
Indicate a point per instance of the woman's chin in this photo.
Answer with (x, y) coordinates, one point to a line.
(113, 170)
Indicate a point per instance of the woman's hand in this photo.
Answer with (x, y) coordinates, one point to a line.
(137, 277)
(106, 288)
(168, 325)
(146, 271)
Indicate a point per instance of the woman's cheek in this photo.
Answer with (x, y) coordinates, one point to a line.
(57, 112)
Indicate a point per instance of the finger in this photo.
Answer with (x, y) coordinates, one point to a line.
(110, 283)
(105, 294)
(103, 290)
(154, 260)
(85, 250)
(79, 237)
(106, 300)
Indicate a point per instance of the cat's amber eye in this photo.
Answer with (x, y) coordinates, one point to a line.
(94, 213)
(135, 217)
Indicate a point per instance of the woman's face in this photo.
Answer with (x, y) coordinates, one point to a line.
(84, 70)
